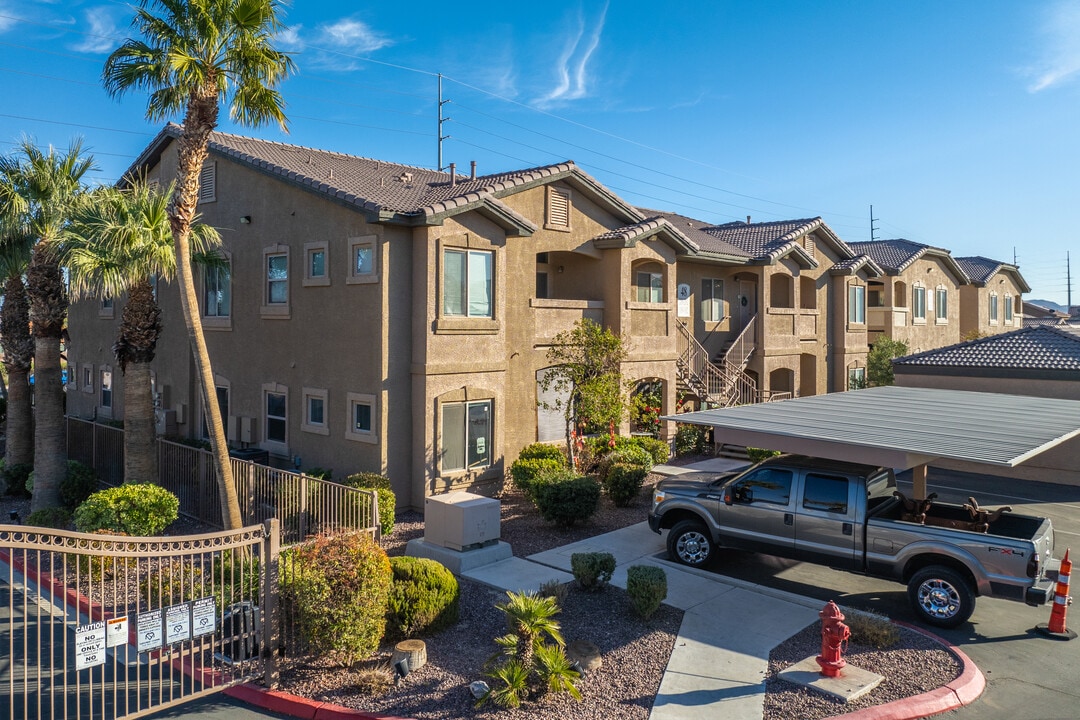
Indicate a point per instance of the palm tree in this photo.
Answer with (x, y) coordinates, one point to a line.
(193, 55)
(18, 345)
(43, 187)
(117, 241)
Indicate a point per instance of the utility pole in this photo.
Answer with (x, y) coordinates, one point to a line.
(873, 220)
(439, 129)
(1068, 284)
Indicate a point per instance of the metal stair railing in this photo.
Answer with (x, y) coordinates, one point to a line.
(722, 385)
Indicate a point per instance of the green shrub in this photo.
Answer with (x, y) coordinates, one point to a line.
(387, 500)
(756, 455)
(423, 598)
(525, 472)
(320, 473)
(555, 589)
(646, 586)
(79, 483)
(689, 439)
(592, 570)
(54, 517)
(566, 500)
(657, 449)
(140, 510)
(17, 479)
(542, 451)
(623, 483)
(337, 587)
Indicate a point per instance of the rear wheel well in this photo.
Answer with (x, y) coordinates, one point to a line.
(918, 562)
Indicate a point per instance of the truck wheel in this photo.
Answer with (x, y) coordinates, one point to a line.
(941, 596)
(689, 543)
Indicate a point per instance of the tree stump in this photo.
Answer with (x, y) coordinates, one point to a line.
(585, 654)
(415, 651)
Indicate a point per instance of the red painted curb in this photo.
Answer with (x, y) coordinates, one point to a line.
(961, 691)
(299, 707)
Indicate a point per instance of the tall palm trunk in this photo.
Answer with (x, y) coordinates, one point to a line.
(139, 331)
(18, 355)
(199, 121)
(48, 306)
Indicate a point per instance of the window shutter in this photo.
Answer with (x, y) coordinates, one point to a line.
(208, 182)
(558, 207)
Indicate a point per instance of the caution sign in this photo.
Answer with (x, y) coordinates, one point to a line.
(90, 645)
(177, 623)
(150, 630)
(203, 617)
(116, 631)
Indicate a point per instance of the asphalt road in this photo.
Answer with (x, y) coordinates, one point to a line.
(1029, 677)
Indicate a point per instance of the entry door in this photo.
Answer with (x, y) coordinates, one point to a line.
(761, 514)
(825, 527)
(747, 301)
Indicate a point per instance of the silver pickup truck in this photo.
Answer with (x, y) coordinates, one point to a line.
(849, 516)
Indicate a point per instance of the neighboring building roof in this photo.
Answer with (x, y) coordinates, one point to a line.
(853, 265)
(1033, 310)
(628, 235)
(894, 256)
(1047, 320)
(696, 231)
(1033, 351)
(981, 269)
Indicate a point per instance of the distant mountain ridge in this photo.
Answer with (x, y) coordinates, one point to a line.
(1048, 304)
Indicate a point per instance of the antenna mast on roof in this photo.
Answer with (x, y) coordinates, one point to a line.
(872, 221)
(442, 119)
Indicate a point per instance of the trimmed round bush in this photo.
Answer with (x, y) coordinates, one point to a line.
(623, 483)
(337, 587)
(423, 598)
(565, 499)
(54, 517)
(542, 451)
(525, 471)
(79, 483)
(646, 586)
(387, 500)
(17, 479)
(689, 439)
(139, 510)
(658, 449)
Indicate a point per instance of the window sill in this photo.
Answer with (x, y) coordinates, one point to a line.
(369, 438)
(274, 312)
(316, 282)
(315, 429)
(216, 322)
(362, 279)
(917, 321)
(780, 311)
(558, 228)
(634, 305)
(941, 322)
(275, 448)
(106, 314)
(466, 326)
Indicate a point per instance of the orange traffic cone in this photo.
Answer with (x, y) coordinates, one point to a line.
(1056, 627)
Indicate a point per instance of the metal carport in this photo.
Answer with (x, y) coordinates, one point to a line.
(900, 427)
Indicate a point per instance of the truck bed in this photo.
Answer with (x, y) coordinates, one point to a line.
(1009, 525)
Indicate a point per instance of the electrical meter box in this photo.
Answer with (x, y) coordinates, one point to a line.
(461, 521)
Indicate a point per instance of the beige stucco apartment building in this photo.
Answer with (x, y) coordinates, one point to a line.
(992, 302)
(388, 318)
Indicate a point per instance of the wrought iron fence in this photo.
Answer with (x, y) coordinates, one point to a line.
(102, 626)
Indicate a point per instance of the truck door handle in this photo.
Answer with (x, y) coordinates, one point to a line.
(849, 528)
(789, 519)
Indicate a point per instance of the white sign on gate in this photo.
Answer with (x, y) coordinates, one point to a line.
(151, 634)
(116, 631)
(203, 617)
(177, 623)
(90, 645)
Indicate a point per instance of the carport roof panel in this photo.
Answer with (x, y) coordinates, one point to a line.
(988, 428)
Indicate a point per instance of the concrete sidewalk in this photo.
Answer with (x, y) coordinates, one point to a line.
(721, 657)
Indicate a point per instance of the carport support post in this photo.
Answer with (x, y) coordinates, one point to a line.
(918, 481)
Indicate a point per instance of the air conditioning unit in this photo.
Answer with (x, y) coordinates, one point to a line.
(461, 521)
(165, 422)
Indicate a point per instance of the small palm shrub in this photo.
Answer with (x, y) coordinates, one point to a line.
(423, 598)
(337, 587)
(592, 570)
(16, 478)
(139, 510)
(387, 500)
(79, 483)
(646, 586)
(54, 517)
(623, 483)
(564, 498)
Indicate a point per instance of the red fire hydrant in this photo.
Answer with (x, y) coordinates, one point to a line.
(834, 633)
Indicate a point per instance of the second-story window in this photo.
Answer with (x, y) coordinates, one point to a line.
(941, 300)
(277, 279)
(217, 292)
(650, 287)
(993, 308)
(467, 283)
(918, 303)
(856, 312)
(1008, 305)
(712, 300)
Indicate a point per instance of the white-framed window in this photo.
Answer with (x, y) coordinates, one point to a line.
(856, 313)
(941, 304)
(712, 300)
(558, 208)
(993, 308)
(106, 388)
(276, 418)
(918, 304)
(316, 263)
(275, 282)
(87, 377)
(465, 441)
(856, 378)
(362, 260)
(221, 392)
(650, 287)
(217, 292)
(362, 422)
(208, 182)
(1007, 303)
(467, 283)
(315, 411)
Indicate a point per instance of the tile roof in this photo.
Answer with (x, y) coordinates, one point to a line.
(645, 228)
(763, 240)
(891, 255)
(1048, 320)
(979, 269)
(695, 230)
(1042, 347)
(851, 265)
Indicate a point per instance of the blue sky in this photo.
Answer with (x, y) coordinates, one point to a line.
(957, 121)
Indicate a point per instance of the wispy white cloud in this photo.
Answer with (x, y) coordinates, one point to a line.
(334, 45)
(102, 34)
(572, 66)
(1060, 47)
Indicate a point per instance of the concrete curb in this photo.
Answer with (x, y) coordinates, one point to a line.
(298, 707)
(964, 690)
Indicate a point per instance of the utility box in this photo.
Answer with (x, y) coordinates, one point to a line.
(461, 521)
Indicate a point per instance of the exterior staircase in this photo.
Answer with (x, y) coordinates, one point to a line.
(720, 384)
